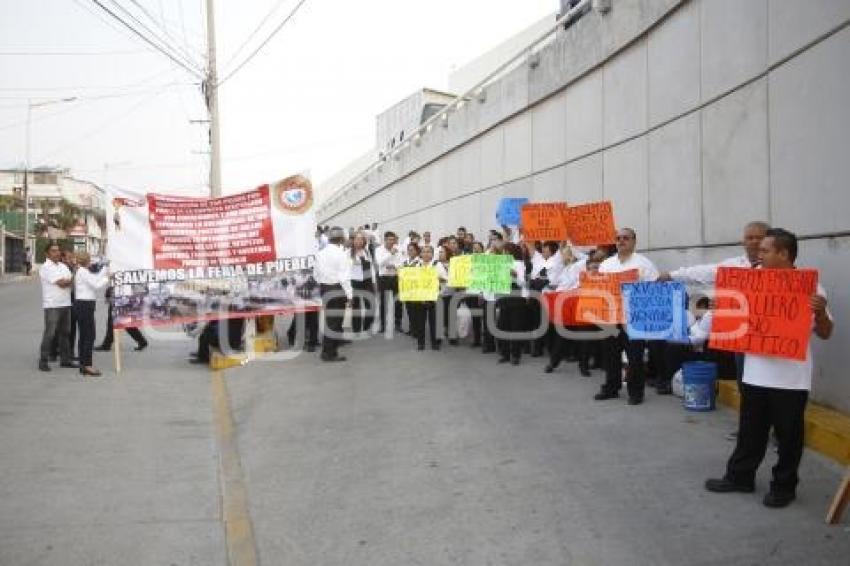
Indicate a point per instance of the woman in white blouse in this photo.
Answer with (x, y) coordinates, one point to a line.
(87, 283)
(513, 309)
(362, 283)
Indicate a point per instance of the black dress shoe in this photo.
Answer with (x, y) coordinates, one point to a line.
(90, 372)
(141, 347)
(515, 362)
(549, 368)
(420, 347)
(605, 395)
(334, 359)
(504, 360)
(435, 346)
(103, 348)
(43, 366)
(199, 361)
(635, 400)
(453, 342)
(777, 500)
(724, 485)
(69, 365)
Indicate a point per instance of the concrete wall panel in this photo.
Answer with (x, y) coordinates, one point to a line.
(492, 157)
(548, 135)
(549, 185)
(625, 94)
(734, 43)
(810, 137)
(517, 155)
(794, 24)
(626, 184)
(735, 163)
(674, 65)
(584, 115)
(584, 180)
(675, 213)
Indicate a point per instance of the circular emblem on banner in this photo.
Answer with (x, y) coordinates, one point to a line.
(293, 195)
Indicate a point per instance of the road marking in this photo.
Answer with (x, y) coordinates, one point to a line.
(238, 532)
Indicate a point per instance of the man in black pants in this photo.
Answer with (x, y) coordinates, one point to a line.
(135, 333)
(388, 258)
(333, 272)
(774, 393)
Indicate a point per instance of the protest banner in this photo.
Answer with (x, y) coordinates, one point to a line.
(656, 310)
(600, 297)
(176, 259)
(491, 273)
(763, 311)
(591, 224)
(561, 307)
(418, 284)
(508, 211)
(544, 221)
(460, 271)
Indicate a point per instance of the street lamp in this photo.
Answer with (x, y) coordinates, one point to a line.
(30, 106)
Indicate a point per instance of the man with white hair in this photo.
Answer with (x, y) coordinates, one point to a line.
(333, 273)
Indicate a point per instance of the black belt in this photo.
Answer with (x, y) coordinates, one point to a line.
(324, 287)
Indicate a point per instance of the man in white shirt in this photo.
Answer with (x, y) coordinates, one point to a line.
(754, 233)
(333, 273)
(626, 259)
(774, 394)
(389, 258)
(56, 283)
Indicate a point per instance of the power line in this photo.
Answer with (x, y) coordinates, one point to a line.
(184, 56)
(251, 35)
(147, 40)
(263, 44)
(71, 53)
(162, 26)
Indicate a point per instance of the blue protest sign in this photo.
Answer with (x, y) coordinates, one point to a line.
(656, 310)
(508, 211)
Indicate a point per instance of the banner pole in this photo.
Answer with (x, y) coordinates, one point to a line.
(839, 502)
(116, 349)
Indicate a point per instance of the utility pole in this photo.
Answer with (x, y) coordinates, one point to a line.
(211, 92)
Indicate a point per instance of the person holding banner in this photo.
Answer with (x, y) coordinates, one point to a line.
(333, 273)
(425, 312)
(626, 259)
(362, 283)
(411, 260)
(389, 258)
(546, 267)
(774, 393)
(87, 283)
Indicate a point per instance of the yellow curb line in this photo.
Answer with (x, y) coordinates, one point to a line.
(827, 430)
(239, 533)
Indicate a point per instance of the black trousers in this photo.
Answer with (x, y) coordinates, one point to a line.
(134, 333)
(57, 326)
(562, 347)
(512, 317)
(487, 313)
(72, 334)
(333, 302)
(311, 328)
(614, 347)
(86, 322)
(362, 305)
(474, 304)
(449, 316)
(211, 337)
(388, 289)
(761, 408)
(423, 314)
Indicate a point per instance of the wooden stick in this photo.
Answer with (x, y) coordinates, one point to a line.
(116, 349)
(839, 502)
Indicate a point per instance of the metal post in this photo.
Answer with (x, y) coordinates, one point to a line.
(26, 179)
(212, 104)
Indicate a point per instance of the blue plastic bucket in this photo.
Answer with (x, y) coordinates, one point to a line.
(698, 381)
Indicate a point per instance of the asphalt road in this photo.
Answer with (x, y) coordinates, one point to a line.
(396, 458)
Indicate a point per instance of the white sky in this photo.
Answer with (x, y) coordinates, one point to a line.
(306, 102)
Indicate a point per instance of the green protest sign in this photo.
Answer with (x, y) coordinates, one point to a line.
(491, 273)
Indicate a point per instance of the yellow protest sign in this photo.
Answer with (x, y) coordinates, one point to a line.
(418, 284)
(460, 271)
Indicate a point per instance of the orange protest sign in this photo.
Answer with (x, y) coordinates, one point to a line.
(544, 221)
(763, 311)
(600, 297)
(561, 307)
(591, 224)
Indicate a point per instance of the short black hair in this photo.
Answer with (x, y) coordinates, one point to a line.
(552, 245)
(389, 234)
(784, 240)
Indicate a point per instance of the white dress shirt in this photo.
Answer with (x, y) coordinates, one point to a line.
(87, 284)
(388, 262)
(646, 269)
(333, 267)
(568, 279)
(53, 296)
(554, 266)
(706, 274)
(357, 271)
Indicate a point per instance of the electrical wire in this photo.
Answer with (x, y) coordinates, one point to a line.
(251, 35)
(263, 44)
(162, 26)
(149, 41)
